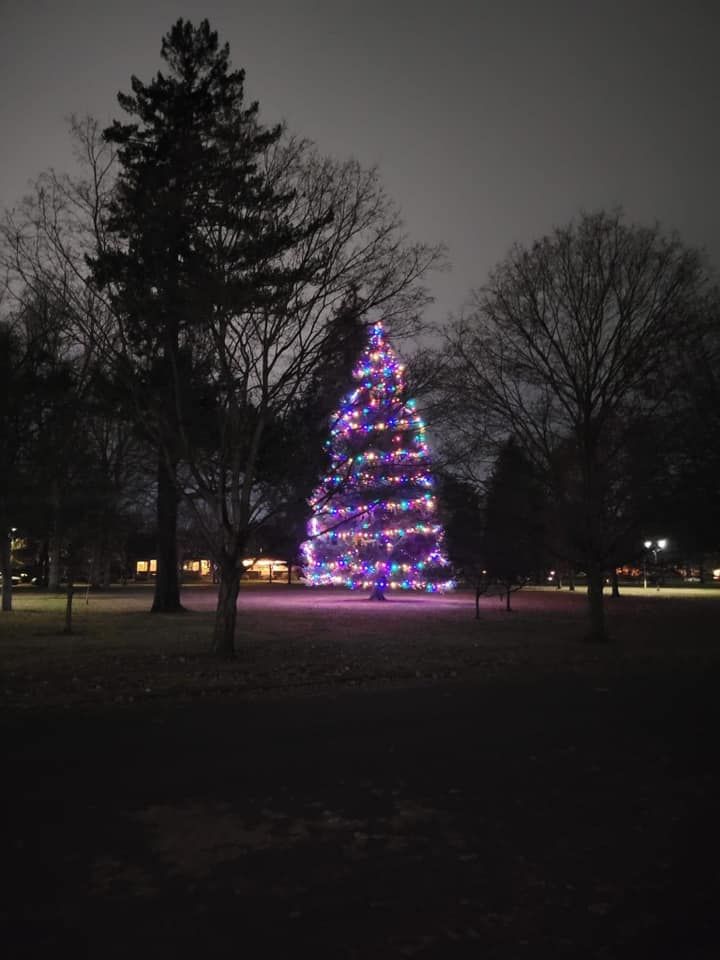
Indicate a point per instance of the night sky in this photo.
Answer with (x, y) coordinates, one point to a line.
(490, 121)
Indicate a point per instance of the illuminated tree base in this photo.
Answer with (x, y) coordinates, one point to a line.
(418, 586)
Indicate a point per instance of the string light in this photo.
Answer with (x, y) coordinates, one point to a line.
(373, 523)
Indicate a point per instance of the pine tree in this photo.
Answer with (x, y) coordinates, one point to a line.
(512, 545)
(196, 237)
(374, 522)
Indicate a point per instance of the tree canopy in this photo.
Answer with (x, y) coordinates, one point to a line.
(569, 347)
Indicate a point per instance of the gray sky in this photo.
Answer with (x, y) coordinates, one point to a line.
(490, 121)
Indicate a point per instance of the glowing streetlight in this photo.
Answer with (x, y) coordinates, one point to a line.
(654, 547)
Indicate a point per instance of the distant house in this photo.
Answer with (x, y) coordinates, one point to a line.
(197, 570)
(201, 570)
(265, 568)
(144, 569)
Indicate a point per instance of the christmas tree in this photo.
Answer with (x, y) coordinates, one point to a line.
(374, 522)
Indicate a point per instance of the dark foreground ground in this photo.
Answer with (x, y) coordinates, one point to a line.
(566, 806)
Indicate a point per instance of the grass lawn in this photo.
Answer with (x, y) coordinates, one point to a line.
(292, 637)
(363, 780)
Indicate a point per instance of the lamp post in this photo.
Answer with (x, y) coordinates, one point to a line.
(654, 547)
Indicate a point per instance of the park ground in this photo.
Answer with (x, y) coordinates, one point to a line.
(363, 780)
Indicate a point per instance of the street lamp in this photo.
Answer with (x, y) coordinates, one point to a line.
(654, 547)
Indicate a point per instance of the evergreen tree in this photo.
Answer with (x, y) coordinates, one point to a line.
(513, 535)
(374, 522)
(194, 231)
(464, 517)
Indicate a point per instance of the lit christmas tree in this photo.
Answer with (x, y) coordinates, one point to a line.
(374, 522)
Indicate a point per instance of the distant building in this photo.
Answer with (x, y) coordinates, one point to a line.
(145, 569)
(201, 570)
(197, 570)
(265, 568)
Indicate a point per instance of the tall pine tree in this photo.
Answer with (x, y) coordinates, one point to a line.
(194, 231)
(374, 523)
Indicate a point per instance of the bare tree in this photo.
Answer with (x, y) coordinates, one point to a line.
(13, 439)
(265, 359)
(568, 348)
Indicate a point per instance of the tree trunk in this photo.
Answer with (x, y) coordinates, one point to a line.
(507, 600)
(69, 601)
(290, 566)
(54, 564)
(5, 567)
(167, 582)
(571, 581)
(106, 575)
(477, 601)
(378, 593)
(596, 605)
(95, 564)
(615, 585)
(124, 564)
(223, 643)
(43, 565)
